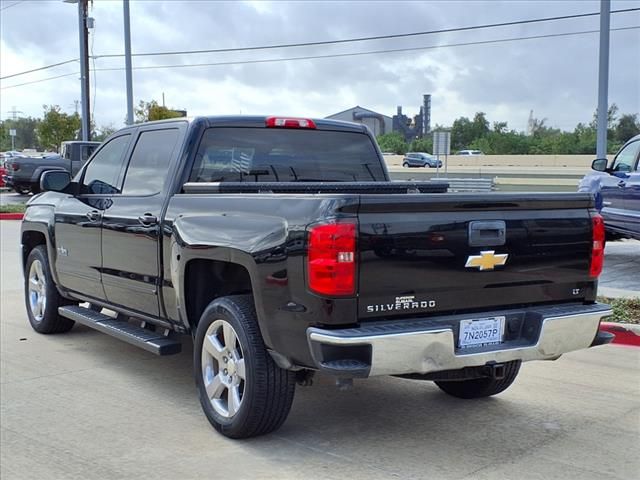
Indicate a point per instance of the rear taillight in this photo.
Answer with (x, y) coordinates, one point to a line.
(15, 167)
(331, 262)
(597, 248)
(282, 122)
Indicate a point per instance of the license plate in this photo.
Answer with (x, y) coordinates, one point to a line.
(480, 332)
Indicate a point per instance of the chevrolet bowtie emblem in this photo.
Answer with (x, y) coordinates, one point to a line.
(487, 260)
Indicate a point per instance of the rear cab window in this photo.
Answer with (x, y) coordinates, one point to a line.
(242, 154)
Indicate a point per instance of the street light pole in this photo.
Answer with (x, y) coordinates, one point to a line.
(84, 69)
(127, 59)
(603, 80)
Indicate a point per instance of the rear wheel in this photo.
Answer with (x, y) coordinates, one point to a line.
(22, 190)
(481, 387)
(242, 391)
(41, 295)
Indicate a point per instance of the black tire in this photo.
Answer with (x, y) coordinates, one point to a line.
(22, 190)
(481, 387)
(35, 188)
(267, 390)
(612, 237)
(405, 165)
(47, 319)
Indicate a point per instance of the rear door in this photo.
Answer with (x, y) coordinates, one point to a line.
(130, 225)
(422, 254)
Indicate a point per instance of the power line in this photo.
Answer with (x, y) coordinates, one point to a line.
(370, 52)
(332, 42)
(377, 37)
(39, 69)
(337, 55)
(41, 80)
(12, 5)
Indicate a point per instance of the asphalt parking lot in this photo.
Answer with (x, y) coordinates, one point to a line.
(84, 405)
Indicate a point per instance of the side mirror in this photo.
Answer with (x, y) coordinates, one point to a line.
(599, 164)
(55, 181)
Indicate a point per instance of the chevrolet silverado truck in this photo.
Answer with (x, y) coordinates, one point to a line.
(23, 173)
(280, 248)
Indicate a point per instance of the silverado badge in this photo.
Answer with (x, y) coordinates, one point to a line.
(487, 260)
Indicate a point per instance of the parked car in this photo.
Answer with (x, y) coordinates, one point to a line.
(23, 173)
(280, 247)
(419, 159)
(6, 156)
(617, 190)
(469, 152)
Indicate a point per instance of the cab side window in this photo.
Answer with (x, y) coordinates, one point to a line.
(102, 173)
(148, 168)
(626, 158)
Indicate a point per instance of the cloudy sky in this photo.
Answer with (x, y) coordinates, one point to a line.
(556, 77)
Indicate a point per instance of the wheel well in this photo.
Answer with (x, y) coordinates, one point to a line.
(31, 240)
(206, 280)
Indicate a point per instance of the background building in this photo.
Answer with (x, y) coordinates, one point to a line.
(410, 128)
(378, 123)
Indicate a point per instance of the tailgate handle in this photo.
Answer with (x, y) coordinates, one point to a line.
(487, 233)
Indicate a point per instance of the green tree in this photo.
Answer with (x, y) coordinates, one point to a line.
(103, 132)
(461, 133)
(422, 145)
(480, 125)
(628, 126)
(25, 128)
(392, 142)
(56, 127)
(149, 111)
(464, 131)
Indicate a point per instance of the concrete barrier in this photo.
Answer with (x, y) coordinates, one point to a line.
(575, 161)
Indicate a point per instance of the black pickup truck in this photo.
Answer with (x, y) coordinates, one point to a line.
(23, 173)
(281, 247)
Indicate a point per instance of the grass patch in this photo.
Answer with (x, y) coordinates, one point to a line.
(13, 208)
(625, 310)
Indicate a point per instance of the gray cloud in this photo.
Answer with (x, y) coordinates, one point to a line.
(556, 77)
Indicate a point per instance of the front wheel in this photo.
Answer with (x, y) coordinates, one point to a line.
(405, 165)
(481, 387)
(242, 391)
(41, 295)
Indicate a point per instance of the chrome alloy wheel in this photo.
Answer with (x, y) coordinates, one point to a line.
(223, 368)
(37, 291)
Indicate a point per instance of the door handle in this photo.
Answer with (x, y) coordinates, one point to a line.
(94, 215)
(147, 219)
(622, 184)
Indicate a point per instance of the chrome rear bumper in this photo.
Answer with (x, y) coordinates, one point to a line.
(429, 345)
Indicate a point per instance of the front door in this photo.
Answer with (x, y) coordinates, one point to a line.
(78, 221)
(632, 197)
(130, 224)
(614, 186)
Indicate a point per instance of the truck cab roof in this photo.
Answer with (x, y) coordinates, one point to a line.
(257, 121)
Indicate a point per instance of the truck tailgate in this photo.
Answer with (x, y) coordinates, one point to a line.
(422, 254)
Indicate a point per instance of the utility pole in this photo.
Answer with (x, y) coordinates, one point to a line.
(127, 60)
(14, 113)
(83, 35)
(603, 80)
